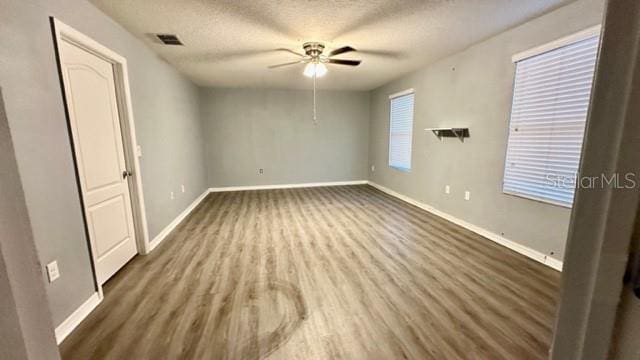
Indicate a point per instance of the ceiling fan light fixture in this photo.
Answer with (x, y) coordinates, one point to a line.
(319, 69)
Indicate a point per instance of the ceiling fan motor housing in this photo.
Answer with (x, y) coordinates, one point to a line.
(313, 49)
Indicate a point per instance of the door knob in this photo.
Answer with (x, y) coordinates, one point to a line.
(126, 174)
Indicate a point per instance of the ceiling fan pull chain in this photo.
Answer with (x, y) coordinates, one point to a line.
(315, 119)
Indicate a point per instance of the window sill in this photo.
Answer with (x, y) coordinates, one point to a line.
(400, 169)
(540, 200)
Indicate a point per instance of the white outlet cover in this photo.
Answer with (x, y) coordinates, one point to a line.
(139, 151)
(447, 189)
(182, 188)
(172, 197)
(52, 271)
(467, 195)
(373, 168)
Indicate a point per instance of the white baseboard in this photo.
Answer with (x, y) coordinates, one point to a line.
(169, 228)
(553, 263)
(287, 186)
(521, 249)
(66, 327)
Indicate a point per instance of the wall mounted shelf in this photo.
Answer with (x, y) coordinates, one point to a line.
(459, 133)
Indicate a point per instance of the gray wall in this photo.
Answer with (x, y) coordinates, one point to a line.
(25, 324)
(167, 121)
(474, 88)
(249, 129)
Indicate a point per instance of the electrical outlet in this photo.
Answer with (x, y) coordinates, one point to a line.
(373, 168)
(139, 151)
(467, 195)
(52, 271)
(447, 189)
(172, 196)
(260, 171)
(182, 187)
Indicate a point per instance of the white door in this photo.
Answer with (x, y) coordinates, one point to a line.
(95, 125)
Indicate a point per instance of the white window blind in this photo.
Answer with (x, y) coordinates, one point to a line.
(400, 131)
(548, 115)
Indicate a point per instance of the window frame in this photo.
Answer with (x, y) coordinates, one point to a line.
(402, 93)
(529, 53)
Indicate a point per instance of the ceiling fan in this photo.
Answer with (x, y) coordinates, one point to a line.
(316, 61)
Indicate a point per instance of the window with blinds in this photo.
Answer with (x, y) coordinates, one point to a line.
(548, 114)
(400, 131)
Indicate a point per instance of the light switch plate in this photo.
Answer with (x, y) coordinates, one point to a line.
(373, 168)
(467, 195)
(447, 189)
(182, 188)
(139, 151)
(52, 271)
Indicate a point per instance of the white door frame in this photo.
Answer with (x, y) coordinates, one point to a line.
(602, 220)
(130, 144)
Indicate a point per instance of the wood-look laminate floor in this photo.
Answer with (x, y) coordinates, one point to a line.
(321, 273)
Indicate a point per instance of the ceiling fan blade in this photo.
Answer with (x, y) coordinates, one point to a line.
(383, 53)
(290, 51)
(285, 64)
(341, 50)
(344, 62)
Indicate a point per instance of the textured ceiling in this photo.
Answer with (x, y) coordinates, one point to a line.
(230, 43)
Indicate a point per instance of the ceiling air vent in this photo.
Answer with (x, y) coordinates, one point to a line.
(169, 39)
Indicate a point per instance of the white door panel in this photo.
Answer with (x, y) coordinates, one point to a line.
(96, 132)
(95, 124)
(109, 224)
